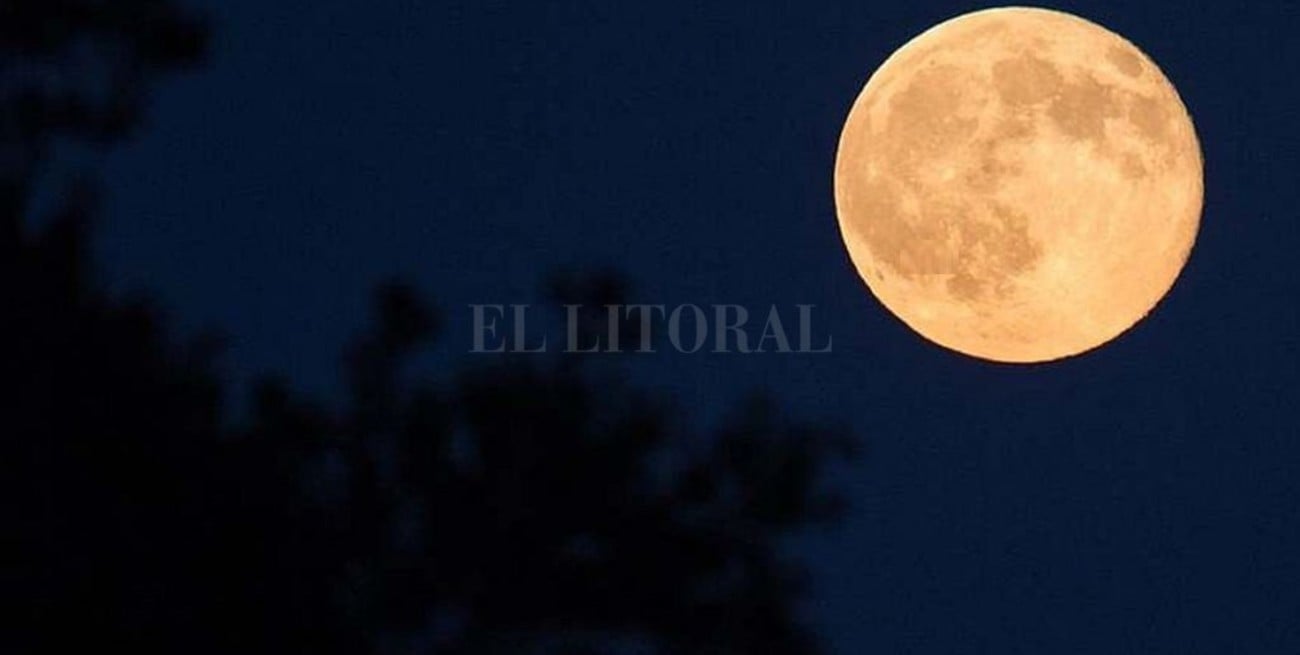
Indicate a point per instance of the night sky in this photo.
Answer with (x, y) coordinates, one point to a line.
(1144, 497)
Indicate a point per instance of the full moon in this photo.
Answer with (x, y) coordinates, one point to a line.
(1018, 184)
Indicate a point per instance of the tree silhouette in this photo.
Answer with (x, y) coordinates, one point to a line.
(521, 505)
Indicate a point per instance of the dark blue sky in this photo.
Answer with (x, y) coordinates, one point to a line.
(1142, 498)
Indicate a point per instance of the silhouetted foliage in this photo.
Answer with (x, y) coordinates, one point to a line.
(524, 505)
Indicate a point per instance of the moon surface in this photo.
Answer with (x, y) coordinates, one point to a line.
(1019, 184)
